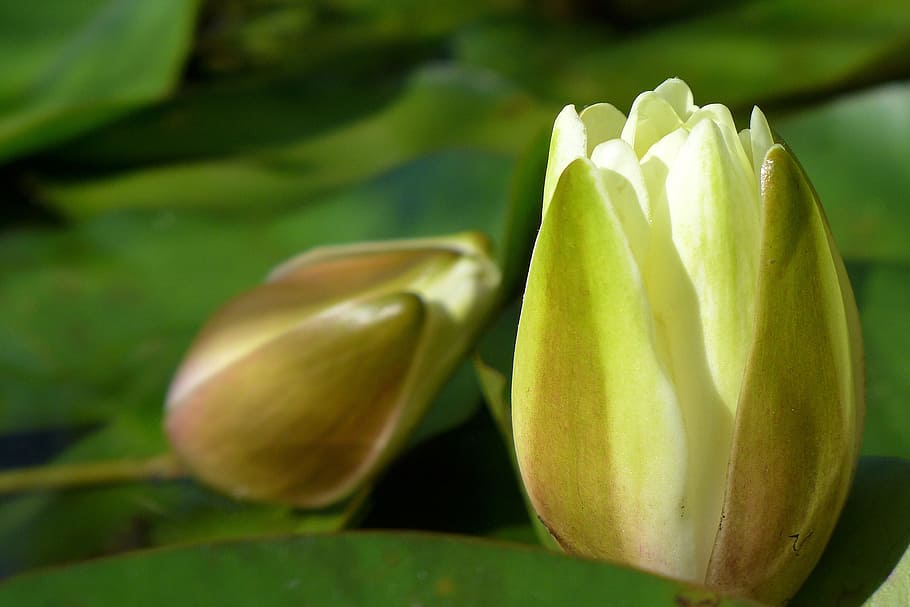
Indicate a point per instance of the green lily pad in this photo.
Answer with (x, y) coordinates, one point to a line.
(883, 297)
(367, 569)
(523, 215)
(740, 54)
(229, 116)
(441, 108)
(67, 67)
(856, 150)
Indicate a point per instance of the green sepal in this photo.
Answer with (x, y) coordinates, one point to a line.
(598, 432)
(794, 445)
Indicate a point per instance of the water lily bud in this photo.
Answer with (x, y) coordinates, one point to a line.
(688, 377)
(300, 390)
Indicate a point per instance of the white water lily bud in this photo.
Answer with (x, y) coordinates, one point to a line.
(688, 377)
(302, 389)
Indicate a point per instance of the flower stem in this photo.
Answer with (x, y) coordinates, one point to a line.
(69, 476)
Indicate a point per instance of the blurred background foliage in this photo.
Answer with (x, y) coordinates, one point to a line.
(159, 157)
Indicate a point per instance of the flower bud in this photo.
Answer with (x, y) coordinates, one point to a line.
(301, 389)
(688, 377)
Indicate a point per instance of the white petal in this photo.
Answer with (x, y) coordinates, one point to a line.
(602, 122)
(716, 112)
(625, 191)
(616, 155)
(679, 95)
(713, 205)
(567, 143)
(720, 115)
(651, 118)
(762, 140)
(745, 138)
(701, 281)
(656, 165)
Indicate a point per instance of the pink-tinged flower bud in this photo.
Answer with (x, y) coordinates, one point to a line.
(302, 389)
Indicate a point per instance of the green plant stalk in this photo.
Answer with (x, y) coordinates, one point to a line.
(493, 385)
(71, 476)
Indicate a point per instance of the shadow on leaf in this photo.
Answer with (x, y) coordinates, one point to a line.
(871, 537)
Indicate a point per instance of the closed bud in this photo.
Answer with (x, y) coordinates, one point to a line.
(301, 390)
(688, 376)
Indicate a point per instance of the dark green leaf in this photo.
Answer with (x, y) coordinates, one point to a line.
(54, 528)
(442, 107)
(856, 151)
(228, 116)
(523, 215)
(68, 66)
(739, 55)
(883, 296)
(356, 569)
